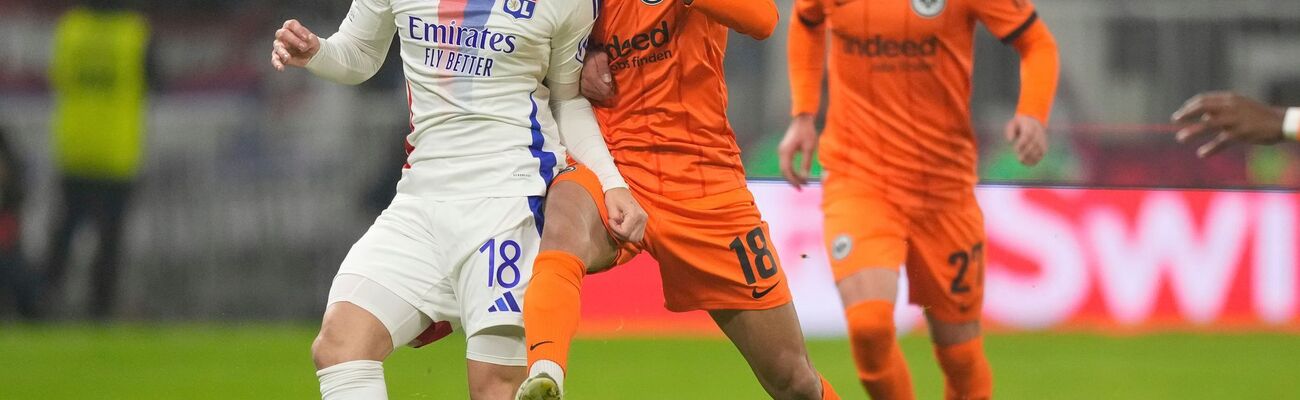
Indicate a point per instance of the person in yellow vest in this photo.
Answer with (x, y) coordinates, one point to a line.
(100, 82)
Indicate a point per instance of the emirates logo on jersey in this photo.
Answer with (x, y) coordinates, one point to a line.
(928, 8)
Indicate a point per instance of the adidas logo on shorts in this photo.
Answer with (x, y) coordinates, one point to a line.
(505, 303)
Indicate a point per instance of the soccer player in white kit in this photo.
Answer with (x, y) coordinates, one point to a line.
(493, 92)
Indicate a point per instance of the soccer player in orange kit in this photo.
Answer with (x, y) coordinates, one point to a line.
(667, 130)
(900, 157)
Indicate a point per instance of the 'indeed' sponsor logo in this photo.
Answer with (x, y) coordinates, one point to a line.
(463, 36)
(878, 46)
(656, 37)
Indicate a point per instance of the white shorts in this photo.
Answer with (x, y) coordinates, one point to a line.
(462, 262)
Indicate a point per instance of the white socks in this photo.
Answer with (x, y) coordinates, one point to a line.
(550, 368)
(353, 380)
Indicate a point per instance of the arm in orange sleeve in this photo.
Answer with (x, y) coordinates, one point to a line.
(806, 50)
(1039, 69)
(756, 18)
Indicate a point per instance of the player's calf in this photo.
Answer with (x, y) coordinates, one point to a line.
(496, 360)
(772, 343)
(799, 381)
(960, 350)
(881, 366)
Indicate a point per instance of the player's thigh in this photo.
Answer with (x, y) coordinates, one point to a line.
(495, 362)
(772, 342)
(945, 267)
(577, 221)
(575, 224)
(866, 239)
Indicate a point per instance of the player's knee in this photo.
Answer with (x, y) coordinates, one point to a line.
(348, 336)
(871, 321)
(796, 383)
(953, 333)
(328, 350)
(871, 334)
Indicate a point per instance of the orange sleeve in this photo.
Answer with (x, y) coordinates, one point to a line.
(756, 18)
(1004, 18)
(806, 51)
(1016, 23)
(1040, 66)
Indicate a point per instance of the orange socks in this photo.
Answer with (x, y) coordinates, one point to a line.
(967, 375)
(828, 392)
(553, 306)
(881, 365)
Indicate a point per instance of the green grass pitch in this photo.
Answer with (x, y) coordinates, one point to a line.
(262, 361)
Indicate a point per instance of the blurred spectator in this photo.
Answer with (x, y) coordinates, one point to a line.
(15, 280)
(99, 75)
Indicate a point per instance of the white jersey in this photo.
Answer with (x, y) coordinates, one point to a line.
(480, 116)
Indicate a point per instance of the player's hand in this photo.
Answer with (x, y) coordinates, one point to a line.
(800, 139)
(597, 81)
(1029, 138)
(1229, 118)
(626, 217)
(294, 46)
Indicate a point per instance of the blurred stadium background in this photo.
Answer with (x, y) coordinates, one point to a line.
(1122, 267)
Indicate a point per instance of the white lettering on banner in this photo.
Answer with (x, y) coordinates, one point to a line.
(1060, 285)
(1199, 264)
(1274, 288)
(1096, 259)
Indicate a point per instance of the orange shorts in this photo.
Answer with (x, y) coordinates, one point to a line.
(713, 252)
(943, 250)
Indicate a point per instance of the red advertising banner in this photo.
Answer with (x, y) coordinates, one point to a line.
(1097, 259)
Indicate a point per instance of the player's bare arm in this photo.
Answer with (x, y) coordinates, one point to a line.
(1228, 118)
(756, 18)
(807, 54)
(294, 46)
(800, 141)
(1039, 67)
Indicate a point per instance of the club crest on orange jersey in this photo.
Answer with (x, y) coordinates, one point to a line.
(928, 8)
(841, 247)
(652, 2)
(520, 9)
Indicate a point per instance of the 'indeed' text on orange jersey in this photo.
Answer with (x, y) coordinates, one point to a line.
(667, 128)
(900, 85)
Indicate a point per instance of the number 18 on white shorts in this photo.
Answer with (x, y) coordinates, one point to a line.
(465, 263)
